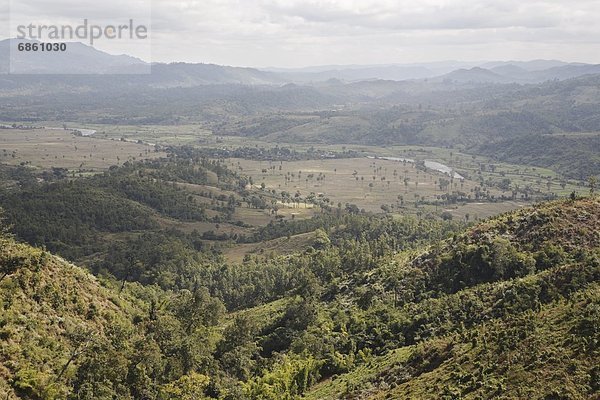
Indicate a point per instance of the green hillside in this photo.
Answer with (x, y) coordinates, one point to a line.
(52, 315)
(575, 155)
(509, 308)
(547, 354)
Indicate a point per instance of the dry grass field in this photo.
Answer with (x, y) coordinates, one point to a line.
(46, 148)
(160, 134)
(368, 183)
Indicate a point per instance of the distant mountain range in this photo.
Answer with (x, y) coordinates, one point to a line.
(352, 73)
(78, 59)
(511, 73)
(534, 71)
(83, 59)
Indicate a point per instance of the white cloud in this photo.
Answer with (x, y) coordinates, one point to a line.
(305, 32)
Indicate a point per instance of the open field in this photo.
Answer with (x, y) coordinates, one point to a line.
(46, 148)
(475, 166)
(481, 168)
(341, 186)
(369, 184)
(156, 134)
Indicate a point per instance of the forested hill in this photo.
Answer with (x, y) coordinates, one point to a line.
(509, 308)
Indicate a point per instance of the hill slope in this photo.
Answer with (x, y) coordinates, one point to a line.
(81, 59)
(78, 59)
(52, 313)
(547, 354)
(510, 308)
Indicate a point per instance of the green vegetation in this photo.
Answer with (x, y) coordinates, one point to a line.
(310, 241)
(576, 155)
(378, 306)
(74, 216)
(245, 270)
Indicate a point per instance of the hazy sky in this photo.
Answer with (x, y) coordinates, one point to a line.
(291, 33)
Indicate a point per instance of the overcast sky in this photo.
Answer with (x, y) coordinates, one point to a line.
(293, 33)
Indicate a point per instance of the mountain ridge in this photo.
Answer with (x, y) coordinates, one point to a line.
(81, 59)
